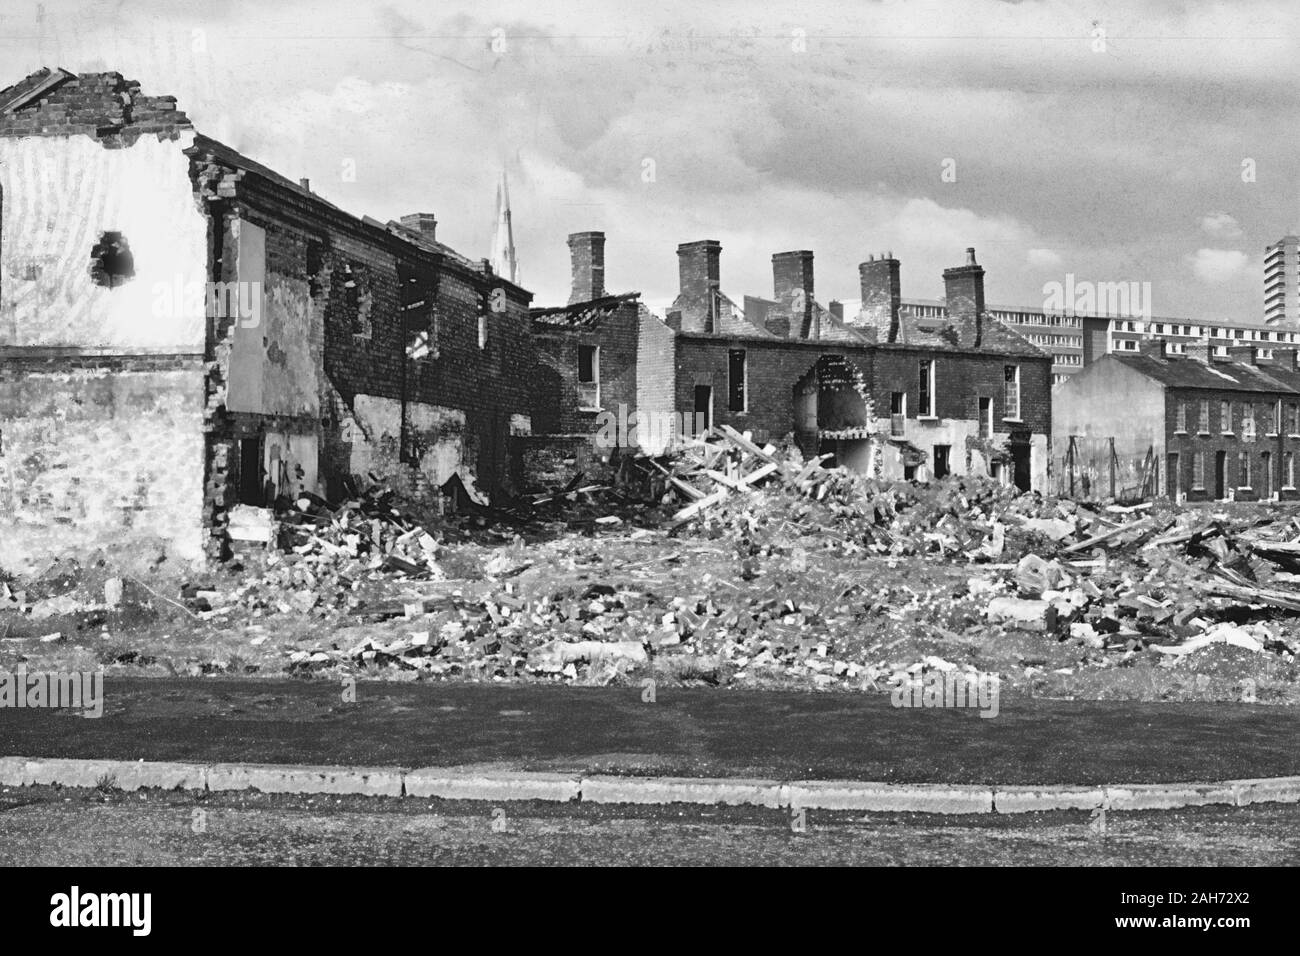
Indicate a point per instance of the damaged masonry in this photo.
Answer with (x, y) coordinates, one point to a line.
(317, 442)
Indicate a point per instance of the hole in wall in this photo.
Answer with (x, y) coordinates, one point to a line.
(111, 262)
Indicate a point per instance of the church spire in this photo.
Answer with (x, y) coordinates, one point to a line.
(503, 258)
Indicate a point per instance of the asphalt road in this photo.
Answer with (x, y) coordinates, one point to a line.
(685, 732)
(52, 827)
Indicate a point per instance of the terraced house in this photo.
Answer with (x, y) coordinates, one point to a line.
(884, 392)
(1192, 426)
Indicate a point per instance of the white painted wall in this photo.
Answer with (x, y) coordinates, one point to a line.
(59, 195)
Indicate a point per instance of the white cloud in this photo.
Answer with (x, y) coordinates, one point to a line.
(1217, 265)
(1219, 225)
(1044, 259)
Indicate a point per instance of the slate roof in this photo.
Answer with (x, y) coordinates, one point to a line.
(1179, 372)
(947, 333)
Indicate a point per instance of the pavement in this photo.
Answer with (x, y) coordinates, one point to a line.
(44, 827)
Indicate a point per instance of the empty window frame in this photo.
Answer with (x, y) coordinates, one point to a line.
(925, 389)
(589, 376)
(1011, 398)
(737, 382)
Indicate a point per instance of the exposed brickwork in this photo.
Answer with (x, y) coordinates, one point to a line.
(558, 405)
(1187, 435)
(882, 291)
(774, 369)
(698, 264)
(105, 106)
(792, 287)
(361, 280)
(964, 287)
(100, 455)
(374, 344)
(961, 379)
(587, 263)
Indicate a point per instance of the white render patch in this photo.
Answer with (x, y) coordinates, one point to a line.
(376, 429)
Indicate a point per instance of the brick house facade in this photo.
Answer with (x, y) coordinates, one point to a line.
(1193, 427)
(886, 392)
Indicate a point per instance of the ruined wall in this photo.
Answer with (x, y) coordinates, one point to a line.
(656, 377)
(773, 371)
(273, 366)
(102, 333)
(554, 379)
(1106, 400)
(439, 445)
(107, 456)
(330, 359)
(961, 379)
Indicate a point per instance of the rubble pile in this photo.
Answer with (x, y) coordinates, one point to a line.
(325, 556)
(773, 498)
(1170, 581)
(765, 565)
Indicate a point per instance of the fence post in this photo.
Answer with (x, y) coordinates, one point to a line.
(1113, 463)
(1069, 454)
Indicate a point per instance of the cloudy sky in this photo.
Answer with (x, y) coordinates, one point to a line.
(1146, 142)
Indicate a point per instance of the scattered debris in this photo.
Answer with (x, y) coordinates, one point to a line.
(728, 562)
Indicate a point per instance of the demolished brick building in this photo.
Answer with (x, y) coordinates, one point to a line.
(884, 392)
(183, 330)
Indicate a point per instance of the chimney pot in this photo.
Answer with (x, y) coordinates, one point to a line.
(305, 183)
(970, 256)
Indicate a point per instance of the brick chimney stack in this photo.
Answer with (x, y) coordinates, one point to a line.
(422, 222)
(587, 262)
(792, 287)
(698, 273)
(882, 296)
(1246, 354)
(964, 287)
(1199, 352)
(1287, 358)
(1154, 348)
